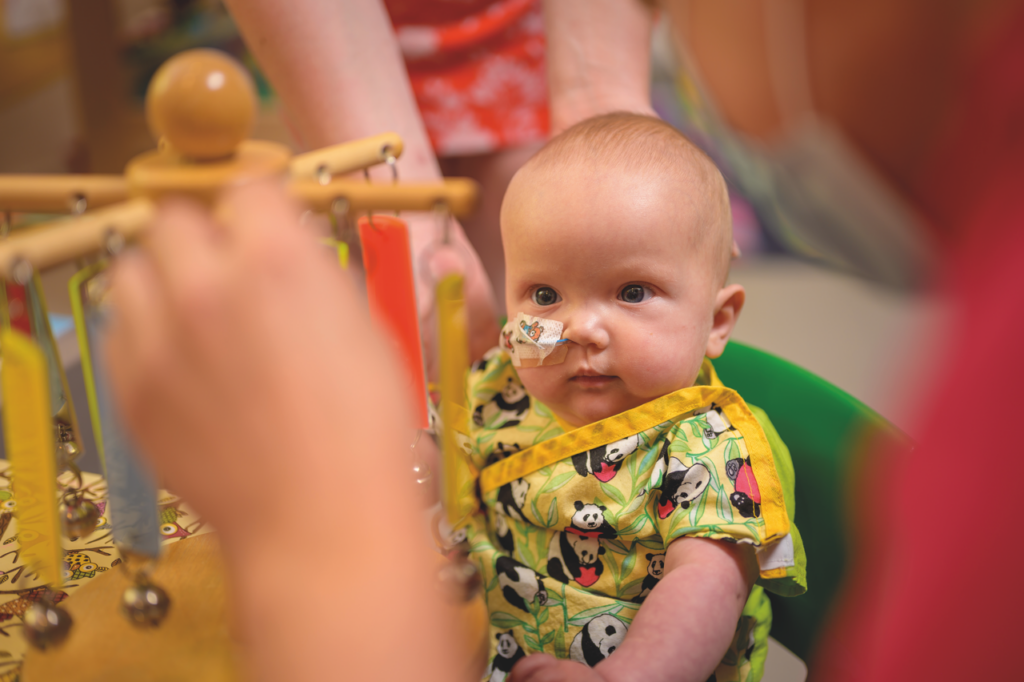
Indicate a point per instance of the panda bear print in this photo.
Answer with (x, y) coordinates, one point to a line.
(501, 451)
(575, 558)
(717, 424)
(604, 461)
(520, 585)
(682, 485)
(655, 570)
(588, 521)
(511, 498)
(598, 639)
(747, 496)
(504, 533)
(508, 654)
(506, 408)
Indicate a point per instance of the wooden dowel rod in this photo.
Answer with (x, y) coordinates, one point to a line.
(345, 158)
(458, 194)
(60, 193)
(49, 244)
(59, 241)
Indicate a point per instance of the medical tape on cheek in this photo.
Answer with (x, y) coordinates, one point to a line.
(533, 341)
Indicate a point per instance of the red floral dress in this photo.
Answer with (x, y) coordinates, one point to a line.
(477, 70)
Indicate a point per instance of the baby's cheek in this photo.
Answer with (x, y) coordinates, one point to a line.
(665, 362)
(541, 383)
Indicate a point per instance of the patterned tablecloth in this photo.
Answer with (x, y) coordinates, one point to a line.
(84, 559)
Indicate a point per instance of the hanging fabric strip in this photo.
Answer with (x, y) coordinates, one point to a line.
(391, 290)
(28, 434)
(60, 394)
(132, 491)
(453, 346)
(77, 292)
(16, 308)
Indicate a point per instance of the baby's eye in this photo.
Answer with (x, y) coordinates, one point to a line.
(545, 296)
(635, 293)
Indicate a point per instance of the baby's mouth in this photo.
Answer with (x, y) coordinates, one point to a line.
(591, 379)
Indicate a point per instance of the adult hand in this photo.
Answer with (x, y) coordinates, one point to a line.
(434, 262)
(247, 371)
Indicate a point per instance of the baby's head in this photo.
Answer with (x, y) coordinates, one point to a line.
(620, 229)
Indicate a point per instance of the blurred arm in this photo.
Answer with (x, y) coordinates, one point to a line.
(598, 58)
(339, 71)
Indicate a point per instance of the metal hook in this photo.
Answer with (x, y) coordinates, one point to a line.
(113, 242)
(78, 204)
(21, 271)
(443, 216)
(340, 215)
(323, 175)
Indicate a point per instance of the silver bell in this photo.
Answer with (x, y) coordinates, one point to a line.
(67, 453)
(46, 625)
(80, 517)
(145, 604)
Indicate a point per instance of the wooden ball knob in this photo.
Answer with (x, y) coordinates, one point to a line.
(203, 102)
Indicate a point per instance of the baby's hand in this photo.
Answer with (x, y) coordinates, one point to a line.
(547, 668)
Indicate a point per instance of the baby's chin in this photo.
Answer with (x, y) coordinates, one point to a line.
(581, 410)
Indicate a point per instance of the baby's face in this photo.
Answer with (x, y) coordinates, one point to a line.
(611, 258)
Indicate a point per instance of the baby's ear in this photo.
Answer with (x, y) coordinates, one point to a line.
(728, 304)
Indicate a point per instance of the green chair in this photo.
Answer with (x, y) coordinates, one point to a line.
(824, 427)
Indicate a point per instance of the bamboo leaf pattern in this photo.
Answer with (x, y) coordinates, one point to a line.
(633, 506)
(557, 482)
(505, 621)
(697, 510)
(615, 546)
(609, 561)
(613, 492)
(631, 589)
(627, 563)
(583, 616)
(724, 507)
(553, 512)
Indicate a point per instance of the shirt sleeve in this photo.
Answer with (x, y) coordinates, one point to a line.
(708, 490)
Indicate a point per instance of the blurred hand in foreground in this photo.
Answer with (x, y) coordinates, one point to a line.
(246, 369)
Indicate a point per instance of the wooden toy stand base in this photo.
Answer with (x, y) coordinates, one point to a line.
(191, 644)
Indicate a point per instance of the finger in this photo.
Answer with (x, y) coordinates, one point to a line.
(535, 668)
(182, 241)
(260, 215)
(134, 345)
(187, 254)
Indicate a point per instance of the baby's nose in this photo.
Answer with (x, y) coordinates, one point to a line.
(587, 329)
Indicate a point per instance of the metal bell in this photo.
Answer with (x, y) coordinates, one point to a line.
(145, 604)
(421, 471)
(46, 625)
(67, 452)
(80, 517)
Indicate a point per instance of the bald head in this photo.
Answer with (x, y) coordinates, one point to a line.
(643, 147)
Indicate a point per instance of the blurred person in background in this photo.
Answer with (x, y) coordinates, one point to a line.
(908, 114)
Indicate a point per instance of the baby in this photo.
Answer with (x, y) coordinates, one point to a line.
(634, 509)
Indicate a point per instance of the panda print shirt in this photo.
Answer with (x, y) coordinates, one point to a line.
(569, 529)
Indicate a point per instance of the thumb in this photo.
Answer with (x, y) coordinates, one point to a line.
(535, 668)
